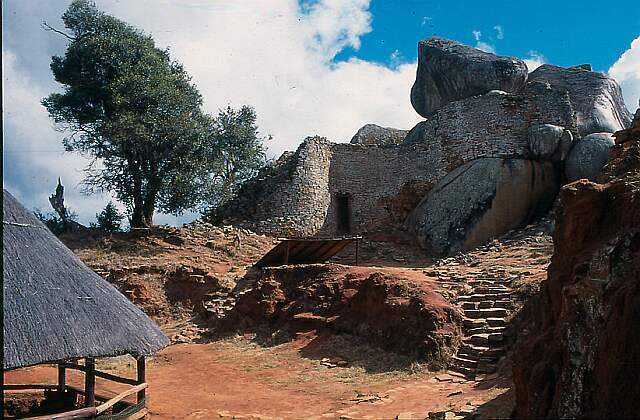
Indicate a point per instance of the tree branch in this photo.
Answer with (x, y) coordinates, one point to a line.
(48, 27)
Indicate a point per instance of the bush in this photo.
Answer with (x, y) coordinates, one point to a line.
(110, 219)
(55, 224)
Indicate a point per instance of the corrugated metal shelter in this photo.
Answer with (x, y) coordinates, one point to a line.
(306, 250)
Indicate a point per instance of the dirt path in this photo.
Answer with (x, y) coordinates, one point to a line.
(238, 378)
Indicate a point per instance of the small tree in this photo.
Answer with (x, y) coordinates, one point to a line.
(109, 219)
(238, 152)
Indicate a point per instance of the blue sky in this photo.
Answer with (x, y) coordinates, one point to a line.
(325, 67)
(564, 32)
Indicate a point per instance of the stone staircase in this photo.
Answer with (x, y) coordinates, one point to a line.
(486, 308)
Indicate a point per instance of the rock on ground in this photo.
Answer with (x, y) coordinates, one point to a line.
(482, 199)
(596, 97)
(449, 71)
(588, 156)
(384, 308)
(372, 134)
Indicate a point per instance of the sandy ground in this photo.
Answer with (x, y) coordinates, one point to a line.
(236, 378)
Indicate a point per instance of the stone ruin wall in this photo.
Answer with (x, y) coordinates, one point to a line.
(384, 183)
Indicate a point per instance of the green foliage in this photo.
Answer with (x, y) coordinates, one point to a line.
(54, 222)
(109, 220)
(241, 152)
(135, 112)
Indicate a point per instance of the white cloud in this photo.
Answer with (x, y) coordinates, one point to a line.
(499, 32)
(534, 60)
(274, 55)
(481, 45)
(425, 20)
(626, 70)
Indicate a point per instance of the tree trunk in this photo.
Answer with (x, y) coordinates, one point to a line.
(138, 219)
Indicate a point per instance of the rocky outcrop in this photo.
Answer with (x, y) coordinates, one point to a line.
(481, 200)
(449, 71)
(549, 142)
(577, 353)
(372, 134)
(588, 156)
(383, 308)
(497, 123)
(596, 98)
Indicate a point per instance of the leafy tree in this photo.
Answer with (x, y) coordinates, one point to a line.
(134, 111)
(239, 152)
(109, 219)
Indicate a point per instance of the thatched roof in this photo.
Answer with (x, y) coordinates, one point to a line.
(55, 307)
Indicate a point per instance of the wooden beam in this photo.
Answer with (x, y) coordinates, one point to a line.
(142, 373)
(82, 413)
(90, 382)
(140, 414)
(15, 387)
(113, 401)
(286, 252)
(62, 378)
(104, 375)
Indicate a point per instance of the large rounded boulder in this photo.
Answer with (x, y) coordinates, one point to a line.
(589, 155)
(549, 142)
(596, 97)
(449, 71)
(481, 200)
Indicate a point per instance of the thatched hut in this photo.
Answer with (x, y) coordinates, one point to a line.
(57, 310)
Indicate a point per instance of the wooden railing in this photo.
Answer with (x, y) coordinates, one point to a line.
(92, 410)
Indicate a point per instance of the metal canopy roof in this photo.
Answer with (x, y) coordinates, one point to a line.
(306, 250)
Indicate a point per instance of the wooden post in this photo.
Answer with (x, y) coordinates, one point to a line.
(90, 382)
(141, 370)
(62, 378)
(357, 251)
(286, 253)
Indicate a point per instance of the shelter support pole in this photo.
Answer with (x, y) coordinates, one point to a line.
(286, 253)
(62, 378)
(90, 382)
(141, 369)
(357, 252)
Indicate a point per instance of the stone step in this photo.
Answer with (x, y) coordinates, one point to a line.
(485, 304)
(480, 283)
(486, 367)
(469, 373)
(484, 339)
(469, 305)
(474, 323)
(473, 349)
(460, 361)
(485, 329)
(503, 304)
(496, 321)
(488, 290)
(486, 313)
(478, 297)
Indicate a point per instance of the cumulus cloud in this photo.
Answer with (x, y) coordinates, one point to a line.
(626, 70)
(534, 60)
(481, 45)
(276, 55)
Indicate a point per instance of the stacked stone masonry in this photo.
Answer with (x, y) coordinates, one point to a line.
(374, 185)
